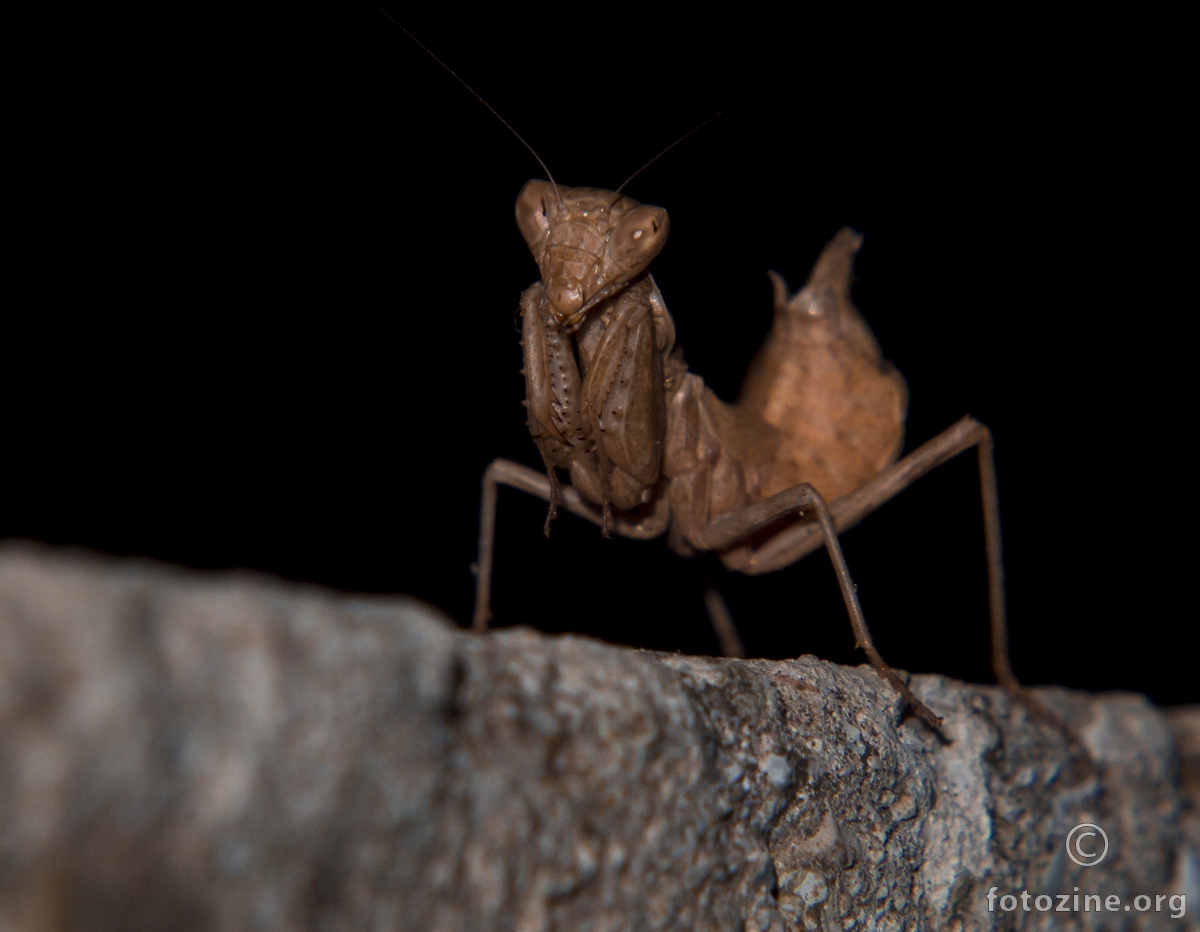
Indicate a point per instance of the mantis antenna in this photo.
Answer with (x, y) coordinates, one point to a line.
(492, 110)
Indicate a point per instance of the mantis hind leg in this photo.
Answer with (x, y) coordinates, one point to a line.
(730, 528)
(801, 539)
(722, 622)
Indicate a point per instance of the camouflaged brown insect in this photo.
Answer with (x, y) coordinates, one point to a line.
(650, 449)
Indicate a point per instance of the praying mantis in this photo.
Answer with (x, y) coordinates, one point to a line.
(611, 400)
(651, 450)
(953, 279)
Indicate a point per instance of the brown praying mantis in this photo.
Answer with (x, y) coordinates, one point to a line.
(809, 449)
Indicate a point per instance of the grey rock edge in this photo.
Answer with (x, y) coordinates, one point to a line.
(192, 751)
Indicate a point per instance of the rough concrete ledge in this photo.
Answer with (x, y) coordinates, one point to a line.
(192, 751)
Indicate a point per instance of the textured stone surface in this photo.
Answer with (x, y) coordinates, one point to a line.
(189, 752)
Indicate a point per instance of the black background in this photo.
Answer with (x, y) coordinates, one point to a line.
(273, 274)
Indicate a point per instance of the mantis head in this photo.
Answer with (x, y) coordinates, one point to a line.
(588, 243)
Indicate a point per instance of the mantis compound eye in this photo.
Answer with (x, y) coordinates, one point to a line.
(535, 203)
(639, 236)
